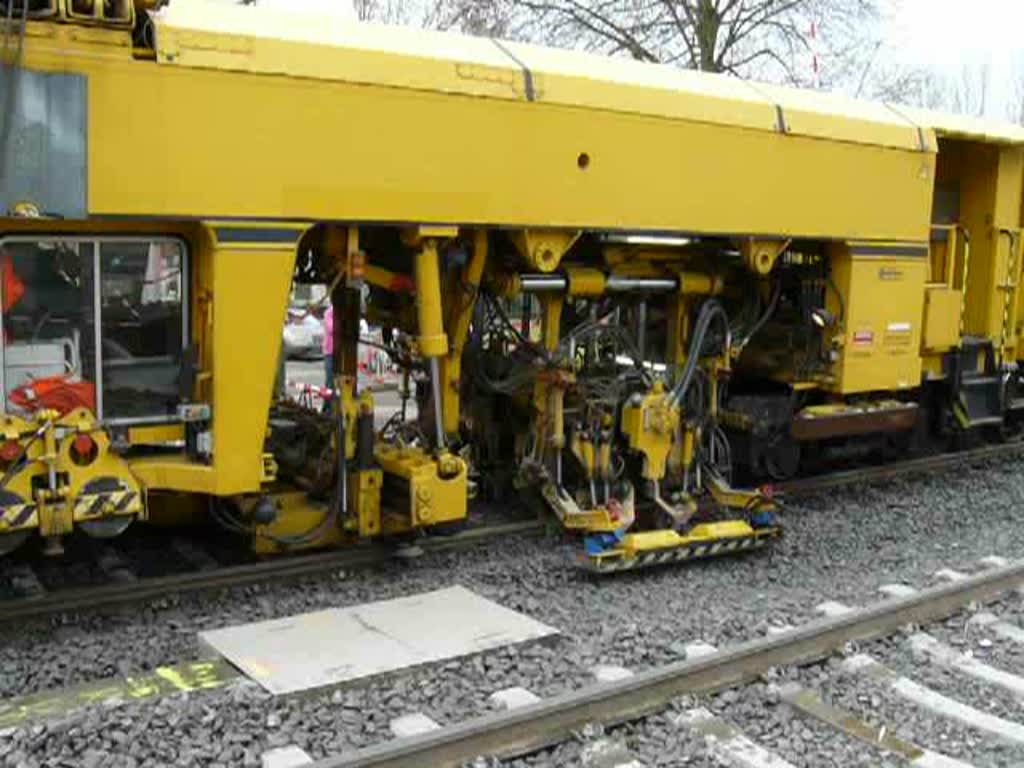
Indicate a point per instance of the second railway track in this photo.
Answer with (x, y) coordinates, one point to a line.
(120, 591)
(533, 727)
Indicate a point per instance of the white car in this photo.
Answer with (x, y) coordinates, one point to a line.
(303, 336)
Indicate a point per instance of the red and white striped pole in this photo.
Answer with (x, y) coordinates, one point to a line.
(814, 55)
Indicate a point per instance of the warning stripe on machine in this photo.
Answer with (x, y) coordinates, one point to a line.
(18, 516)
(112, 503)
(661, 557)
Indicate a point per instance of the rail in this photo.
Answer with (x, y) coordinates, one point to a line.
(297, 566)
(533, 727)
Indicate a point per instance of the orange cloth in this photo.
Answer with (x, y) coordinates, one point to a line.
(14, 289)
(57, 393)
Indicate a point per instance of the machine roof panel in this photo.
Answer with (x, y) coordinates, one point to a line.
(966, 126)
(839, 117)
(588, 80)
(199, 33)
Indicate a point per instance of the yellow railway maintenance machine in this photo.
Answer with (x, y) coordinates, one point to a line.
(721, 270)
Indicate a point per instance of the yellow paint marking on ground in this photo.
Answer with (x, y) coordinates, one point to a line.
(46, 705)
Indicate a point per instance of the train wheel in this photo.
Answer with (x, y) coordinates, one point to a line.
(781, 458)
(11, 541)
(109, 526)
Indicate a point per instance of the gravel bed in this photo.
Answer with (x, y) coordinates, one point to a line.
(660, 741)
(757, 711)
(983, 643)
(837, 546)
(877, 705)
(1011, 611)
(656, 741)
(896, 654)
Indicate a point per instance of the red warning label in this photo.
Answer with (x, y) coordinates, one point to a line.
(863, 338)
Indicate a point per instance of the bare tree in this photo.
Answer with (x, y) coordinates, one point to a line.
(478, 17)
(744, 37)
(391, 12)
(1015, 105)
(968, 94)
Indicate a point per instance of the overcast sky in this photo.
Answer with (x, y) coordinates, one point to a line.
(943, 35)
(947, 35)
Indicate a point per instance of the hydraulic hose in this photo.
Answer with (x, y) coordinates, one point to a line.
(710, 311)
(769, 311)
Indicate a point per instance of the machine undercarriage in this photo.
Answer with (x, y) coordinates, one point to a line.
(626, 390)
(547, 395)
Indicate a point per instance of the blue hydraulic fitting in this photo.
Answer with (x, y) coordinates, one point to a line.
(764, 518)
(598, 543)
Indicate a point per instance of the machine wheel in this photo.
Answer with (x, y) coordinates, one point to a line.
(10, 541)
(781, 458)
(106, 527)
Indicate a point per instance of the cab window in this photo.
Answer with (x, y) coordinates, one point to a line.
(97, 323)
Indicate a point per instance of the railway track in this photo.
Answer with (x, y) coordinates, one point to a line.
(123, 587)
(533, 727)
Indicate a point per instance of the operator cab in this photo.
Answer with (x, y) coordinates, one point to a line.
(94, 323)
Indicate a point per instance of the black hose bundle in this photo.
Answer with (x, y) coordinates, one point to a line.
(710, 311)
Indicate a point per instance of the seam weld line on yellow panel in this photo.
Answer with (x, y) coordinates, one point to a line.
(527, 74)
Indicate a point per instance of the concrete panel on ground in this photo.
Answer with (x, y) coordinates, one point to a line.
(339, 645)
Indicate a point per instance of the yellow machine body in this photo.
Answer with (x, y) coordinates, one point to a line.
(883, 294)
(433, 491)
(269, 147)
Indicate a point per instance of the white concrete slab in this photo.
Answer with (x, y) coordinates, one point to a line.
(896, 590)
(831, 609)
(338, 645)
(929, 759)
(949, 575)
(935, 702)
(778, 629)
(993, 561)
(285, 757)
(927, 646)
(512, 698)
(727, 743)
(699, 648)
(412, 725)
(607, 753)
(998, 626)
(609, 673)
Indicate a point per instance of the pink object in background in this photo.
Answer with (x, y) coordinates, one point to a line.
(328, 342)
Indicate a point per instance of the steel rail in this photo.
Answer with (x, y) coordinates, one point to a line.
(290, 567)
(533, 727)
(829, 480)
(283, 567)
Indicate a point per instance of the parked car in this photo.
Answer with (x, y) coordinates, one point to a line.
(303, 335)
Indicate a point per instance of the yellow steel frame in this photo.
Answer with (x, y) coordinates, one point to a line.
(620, 150)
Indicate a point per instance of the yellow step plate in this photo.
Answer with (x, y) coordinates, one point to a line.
(649, 548)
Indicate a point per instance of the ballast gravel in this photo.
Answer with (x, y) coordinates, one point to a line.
(837, 546)
(879, 706)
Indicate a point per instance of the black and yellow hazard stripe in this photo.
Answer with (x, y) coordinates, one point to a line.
(91, 505)
(16, 516)
(614, 562)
